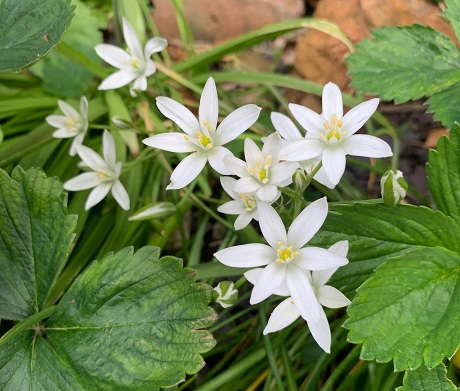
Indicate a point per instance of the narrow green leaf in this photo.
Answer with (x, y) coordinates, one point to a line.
(36, 233)
(133, 321)
(408, 311)
(424, 379)
(443, 171)
(29, 29)
(405, 63)
(452, 13)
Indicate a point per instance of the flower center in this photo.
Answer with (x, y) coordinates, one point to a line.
(333, 132)
(72, 125)
(285, 254)
(248, 201)
(260, 171)
(204, 140)
(103, 176)
(135, 63)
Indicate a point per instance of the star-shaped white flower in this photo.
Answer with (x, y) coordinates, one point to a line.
(262, 172)
(134, 64)
(203, 137)
(331, 135)
(286, 259)
(71, 124)
(103, 177)
(286, 312)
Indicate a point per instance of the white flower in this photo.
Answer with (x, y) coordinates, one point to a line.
(134, 64)
(331, 135)
(286, 259)
(203, 137)
(103, 177)
(286, 312)
(262, 172)
(71, 124)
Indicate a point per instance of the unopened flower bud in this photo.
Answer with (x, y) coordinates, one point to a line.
(122, 123)
(225, 294)
(394, 187)
(300, 180)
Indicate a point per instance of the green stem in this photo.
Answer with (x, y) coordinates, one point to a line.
(313, 173)
(240, 282)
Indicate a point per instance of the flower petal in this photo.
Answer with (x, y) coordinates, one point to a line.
(252, 153)
(64, 133)
(282, 171)
(301, 150)
(282, 316)
(84, 181)
(270, 279)
(236, 123)
(246, 185)
(253, 276)
(268, 193)
(84, 109)
(321, 277)
(228, 183)
(334, 163)
(243, 220)
(172, 142)
(321, 331)
(307, 223)
(308, 119)
(357, 116)
(117, 80)
(132, 40)
(285, 127)
(366, 146)
(91, 158)
(68, 110)
(236, 166)
(302, 293)
(316, 258)
(187, 170)
(331, 297)
(272, 146)
(332, 101)
(108, 145)
(97, 195)
(57, 121)
(121, 195)
(154, 45)
(209, 105)
(140, 84)
(271, 225)
(76, 143)
(232, 208)
(246, 255)
(113, 55)
(178, 113)
(216, 160)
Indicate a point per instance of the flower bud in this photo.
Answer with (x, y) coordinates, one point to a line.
(225, 294)
(122, 123)
(299, 179)
(394, 187)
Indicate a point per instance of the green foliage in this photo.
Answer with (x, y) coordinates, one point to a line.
(424, 379)
(29, 29)
(129, 321)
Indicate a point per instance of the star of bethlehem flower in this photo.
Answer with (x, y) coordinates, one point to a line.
(103, 177)
(262, 172)
(202, 137)
(71, 124)
(331, 135)
(134, 64)
(286, 260)
(286, 312)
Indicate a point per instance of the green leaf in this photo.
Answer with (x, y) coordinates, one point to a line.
(452, 13)
(404, 63)
(36, 233)
(408, 312)
(424, 379)
(133, 322)
(443, 171)
(29, 29)
(445, 105)
(378, 232)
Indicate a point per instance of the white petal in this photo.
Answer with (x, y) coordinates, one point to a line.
(246, 185)
(315, 258)
(252, 153)
(216, 160)
(357, 116)
(117, 80)
(209, 105)
(282, 316)
(267, 193)
(282, 171)
(57, 121)
(334, 163)
(308, 119)
(321, 277)
(340, 248)
(140, 84)
(187, 170)
(236, 123)
(232, 208)
(253, 276)
(332, 101)
(121, 195)
(84, 108)
(302, 293)
(322, 178)
(285, 126)
(84, 181)
(108, 145)
(366, 146)
(76, 143)
(243, 220)
(228, 184)
(321, 332)
(97, 195)
(269, 280)
(113, 55)
(331, 297)
(271, 225)
(272, 145)
(63, 133)
(307, 223)
(172, 142)
(246, 255)
(91, 158)
(301, 150)
(132, 40)
(236, 166)
(178, 113)
(154, 45)
(68, 110)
